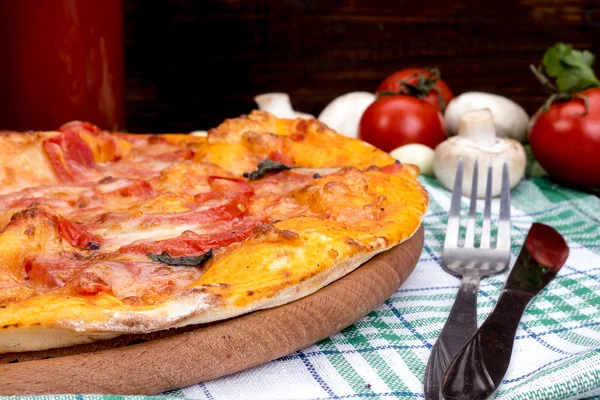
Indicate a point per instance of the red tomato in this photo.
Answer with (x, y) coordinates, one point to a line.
(393, 83)
(565, 140)
(392, 168)
(395, 120)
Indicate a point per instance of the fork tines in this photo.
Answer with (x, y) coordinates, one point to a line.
(453, 228)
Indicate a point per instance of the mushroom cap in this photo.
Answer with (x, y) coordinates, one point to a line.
(451, 150)
(343, 114)
(510, 119)
(279, 104)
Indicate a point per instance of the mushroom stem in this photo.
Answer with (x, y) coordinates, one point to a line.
(478, 126)
(477, 141)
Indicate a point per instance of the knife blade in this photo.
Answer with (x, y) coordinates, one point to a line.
(478, 368)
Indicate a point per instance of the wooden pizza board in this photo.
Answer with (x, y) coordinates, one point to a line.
(161, 361)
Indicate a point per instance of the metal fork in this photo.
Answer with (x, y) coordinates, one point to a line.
(471, 263)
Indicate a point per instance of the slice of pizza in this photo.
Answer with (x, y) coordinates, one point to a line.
(104, 234)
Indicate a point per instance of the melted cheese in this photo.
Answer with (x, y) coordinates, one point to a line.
(78, 249)
(23, 162)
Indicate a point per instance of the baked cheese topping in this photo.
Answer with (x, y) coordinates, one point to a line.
(91, 215)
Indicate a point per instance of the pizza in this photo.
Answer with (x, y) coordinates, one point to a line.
(110, 233)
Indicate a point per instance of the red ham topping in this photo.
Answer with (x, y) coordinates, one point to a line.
(70, 156)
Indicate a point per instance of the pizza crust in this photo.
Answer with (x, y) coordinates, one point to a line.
(196, 305)
(189, 308)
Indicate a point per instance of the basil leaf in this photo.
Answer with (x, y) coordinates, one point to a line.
(188, 261)
(264, 168)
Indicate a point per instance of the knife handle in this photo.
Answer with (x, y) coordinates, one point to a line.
(478, 368)
(460, 326)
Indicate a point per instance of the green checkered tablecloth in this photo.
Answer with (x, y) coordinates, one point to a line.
(557, 349)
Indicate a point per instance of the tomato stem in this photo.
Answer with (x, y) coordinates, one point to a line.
(539, 74)
(424, 84)
(555, 93)
(586, 102)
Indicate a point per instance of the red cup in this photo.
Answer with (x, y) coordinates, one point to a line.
(62, 60)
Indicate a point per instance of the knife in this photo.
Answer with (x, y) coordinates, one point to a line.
(478, 368)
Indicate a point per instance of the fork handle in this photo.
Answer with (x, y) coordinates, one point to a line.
(460, 326)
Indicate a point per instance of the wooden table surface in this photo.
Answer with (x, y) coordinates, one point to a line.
(190, 64)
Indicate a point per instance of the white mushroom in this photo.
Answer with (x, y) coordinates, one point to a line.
(477, 140)
(199, 133)
(279, 104)
(417, 154)
(343, 113)
(510, 119)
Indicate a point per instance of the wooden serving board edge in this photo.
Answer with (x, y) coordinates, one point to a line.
(197, 354)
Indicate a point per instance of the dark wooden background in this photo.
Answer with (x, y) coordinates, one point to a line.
(193, 63)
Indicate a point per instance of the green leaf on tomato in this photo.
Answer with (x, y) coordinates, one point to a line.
(571, 68)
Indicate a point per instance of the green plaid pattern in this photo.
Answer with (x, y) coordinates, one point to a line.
(557, 348)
